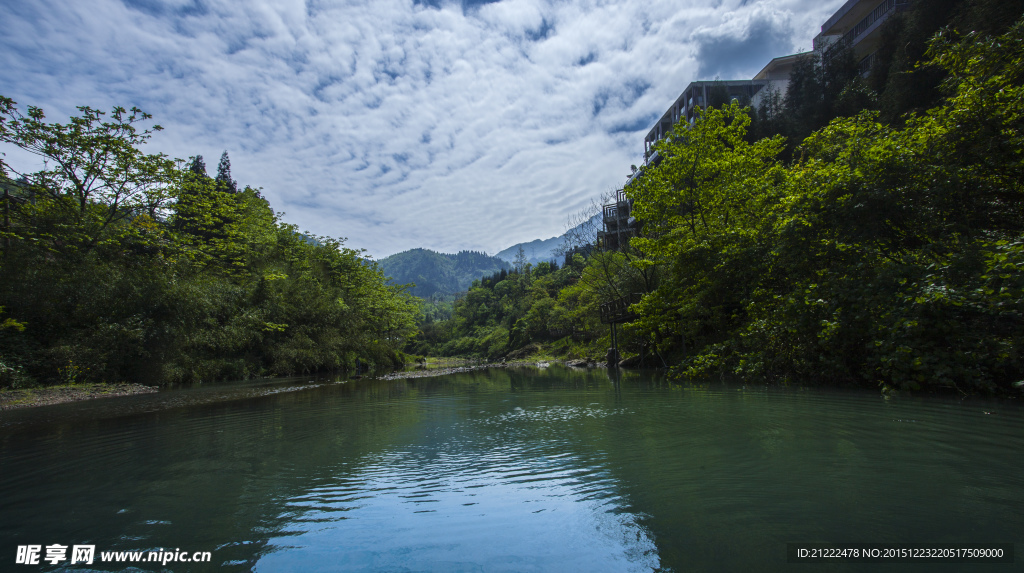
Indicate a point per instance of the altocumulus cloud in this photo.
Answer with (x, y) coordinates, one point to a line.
(399, 124)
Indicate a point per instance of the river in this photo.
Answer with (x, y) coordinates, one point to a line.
(519, 470)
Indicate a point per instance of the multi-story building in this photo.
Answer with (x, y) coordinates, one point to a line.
(857, 24)
(702, 93)
(776, 79)
(618, 222)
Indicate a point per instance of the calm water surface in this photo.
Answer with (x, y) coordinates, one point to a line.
(511, 470)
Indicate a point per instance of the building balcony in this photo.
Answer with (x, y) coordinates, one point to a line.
(619, 223)
(616, 215)
(617, 311)
(861, 35)
(616, 240)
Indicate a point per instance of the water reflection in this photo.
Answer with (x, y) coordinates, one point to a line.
(511, 470)
(452, 507)
(484, 486)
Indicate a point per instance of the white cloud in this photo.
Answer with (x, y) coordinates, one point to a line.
(395, 124)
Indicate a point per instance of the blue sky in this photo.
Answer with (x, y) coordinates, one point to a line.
(398, 123)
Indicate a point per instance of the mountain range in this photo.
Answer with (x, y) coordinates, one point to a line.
(439, 274)
(540, 250)
(443, 275)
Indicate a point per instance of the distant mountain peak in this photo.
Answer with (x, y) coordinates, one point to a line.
(436, 273)
(540, 250)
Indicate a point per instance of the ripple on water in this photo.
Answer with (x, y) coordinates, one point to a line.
(454, 507)
(504, 474)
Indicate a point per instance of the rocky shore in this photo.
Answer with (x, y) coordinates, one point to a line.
(48, 395)
(430, 372)
(427, 373)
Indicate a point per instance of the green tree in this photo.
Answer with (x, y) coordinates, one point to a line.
(119, 265)
(198, 166)
(889, 255)
(702, 208)
(224, 181)
(95, 176)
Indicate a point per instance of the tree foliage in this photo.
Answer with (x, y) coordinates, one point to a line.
(436, 274)
(118, 265)
(887, 255)
(865, 231)
(224, 181)
(95, 175)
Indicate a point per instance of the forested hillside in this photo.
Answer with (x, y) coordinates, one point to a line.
(117, 265)
(439, 275)
(865, 231)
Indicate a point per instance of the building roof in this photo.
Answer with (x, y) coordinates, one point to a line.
(777, 63)
(846, 16)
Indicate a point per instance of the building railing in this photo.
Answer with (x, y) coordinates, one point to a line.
(619, 224)
(864, 67)
(610, 212)
(868, 20)
(615, 240)
(617, 311)
(880, 12)
(651, 157)
(618, 212)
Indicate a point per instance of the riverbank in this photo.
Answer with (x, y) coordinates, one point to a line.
(430, 372)
(49, 395)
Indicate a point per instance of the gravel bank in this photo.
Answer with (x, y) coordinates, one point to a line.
(45, 396)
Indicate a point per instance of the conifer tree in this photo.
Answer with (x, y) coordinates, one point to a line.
(224, 181)
(198, 166)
